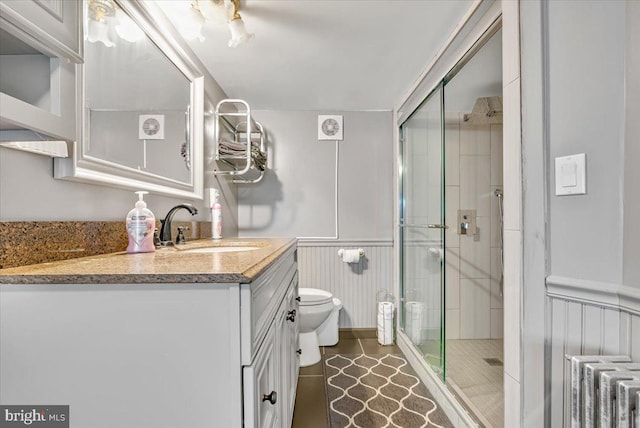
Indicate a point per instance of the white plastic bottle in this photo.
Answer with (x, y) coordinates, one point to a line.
(216, 214)
(140, 226)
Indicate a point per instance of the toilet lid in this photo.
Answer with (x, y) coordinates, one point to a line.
(313, 296)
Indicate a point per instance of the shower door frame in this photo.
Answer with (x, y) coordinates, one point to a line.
(441, 226)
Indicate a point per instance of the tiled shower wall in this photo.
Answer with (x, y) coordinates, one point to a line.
(473, 171)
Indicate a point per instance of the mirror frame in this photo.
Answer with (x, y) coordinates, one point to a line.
(89, 169)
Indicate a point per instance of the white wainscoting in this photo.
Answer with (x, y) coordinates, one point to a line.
(587, 318)
(356, 285)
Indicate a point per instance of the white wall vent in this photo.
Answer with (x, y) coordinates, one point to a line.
(151, 127)
(330, 127)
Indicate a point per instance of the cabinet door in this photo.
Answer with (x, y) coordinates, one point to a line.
(261, 386)
(294, 349)
(54, 23)
(289, 346)
(37, 80)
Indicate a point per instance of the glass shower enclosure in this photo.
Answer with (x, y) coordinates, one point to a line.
(451, 276)
(422, 229)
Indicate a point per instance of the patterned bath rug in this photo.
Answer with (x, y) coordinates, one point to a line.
(378, 391)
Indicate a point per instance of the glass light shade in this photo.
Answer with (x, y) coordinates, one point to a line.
(99, 32)
(190, 24)
(184, 17)
(239, 34)
(127, 29)
(218, 11)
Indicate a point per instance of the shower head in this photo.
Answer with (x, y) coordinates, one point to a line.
(497, 193)
(486, 111)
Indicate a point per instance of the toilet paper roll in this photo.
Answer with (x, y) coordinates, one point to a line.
(385, 323)
(350, 256)
(386, 309)
(413, 321)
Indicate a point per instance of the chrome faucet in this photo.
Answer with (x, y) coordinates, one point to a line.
(165, 230)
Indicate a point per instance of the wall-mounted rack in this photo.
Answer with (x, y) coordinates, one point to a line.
(243, 145)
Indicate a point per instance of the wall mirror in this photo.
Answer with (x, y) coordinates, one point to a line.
(141, 104)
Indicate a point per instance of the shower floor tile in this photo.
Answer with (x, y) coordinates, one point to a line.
(477, 383)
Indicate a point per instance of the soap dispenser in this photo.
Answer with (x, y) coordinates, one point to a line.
(140, 226)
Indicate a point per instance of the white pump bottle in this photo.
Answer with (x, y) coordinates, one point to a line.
(216, 214)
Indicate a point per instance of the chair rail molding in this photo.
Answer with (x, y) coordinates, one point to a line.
(611, 295)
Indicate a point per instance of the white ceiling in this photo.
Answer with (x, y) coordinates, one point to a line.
(329, 54)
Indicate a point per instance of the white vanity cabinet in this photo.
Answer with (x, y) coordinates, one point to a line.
(271, 372)
(160, 355)
(41, 45)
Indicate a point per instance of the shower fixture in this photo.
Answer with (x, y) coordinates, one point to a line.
(486, 111)
(498, 194)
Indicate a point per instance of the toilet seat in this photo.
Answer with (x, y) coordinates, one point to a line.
(314, 297)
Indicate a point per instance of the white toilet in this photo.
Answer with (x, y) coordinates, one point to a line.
(319, 312)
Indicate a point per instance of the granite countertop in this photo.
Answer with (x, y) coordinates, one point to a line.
(167, 265)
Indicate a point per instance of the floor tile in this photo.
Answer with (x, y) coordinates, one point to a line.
(344, 346)
(314, 370)
(310, 410)
(371, 346)
(357, 333)
(477, 384)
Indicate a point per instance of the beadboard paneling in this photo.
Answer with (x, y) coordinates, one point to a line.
(356, 285)
(580, 326)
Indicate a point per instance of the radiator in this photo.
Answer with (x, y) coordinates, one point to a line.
(628, 404)
(637, 419)
(603, 391)
(609, 396)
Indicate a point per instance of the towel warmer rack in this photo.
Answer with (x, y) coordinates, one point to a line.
(248, 149)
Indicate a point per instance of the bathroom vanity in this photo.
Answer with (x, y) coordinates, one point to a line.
(205, 335)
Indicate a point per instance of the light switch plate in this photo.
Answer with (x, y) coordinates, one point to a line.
(571, 175)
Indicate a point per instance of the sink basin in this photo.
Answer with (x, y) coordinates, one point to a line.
(230, 249)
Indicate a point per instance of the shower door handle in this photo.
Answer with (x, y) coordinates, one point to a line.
(425, 226)
(437, 226)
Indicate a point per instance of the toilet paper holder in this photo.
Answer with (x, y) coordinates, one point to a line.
(341, 252)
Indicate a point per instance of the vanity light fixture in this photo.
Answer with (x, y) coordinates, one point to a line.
(188, 19)
(127, 29)
(239, 33)
(103, 17)
(190, 22)
(97, 27)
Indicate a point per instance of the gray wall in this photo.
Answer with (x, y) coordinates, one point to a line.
(575, 64)
(631, 274)
(586, 115)
(296, 197)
